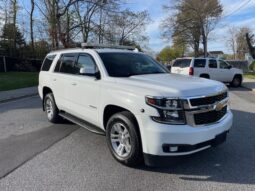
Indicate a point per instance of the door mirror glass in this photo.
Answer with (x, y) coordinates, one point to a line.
(88, 71)
(82, 71)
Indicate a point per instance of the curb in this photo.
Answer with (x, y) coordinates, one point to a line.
(251, 89)
(17, 98)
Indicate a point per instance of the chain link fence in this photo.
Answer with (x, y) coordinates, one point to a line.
(241, 64)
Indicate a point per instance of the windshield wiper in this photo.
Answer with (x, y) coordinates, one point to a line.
(133, 74)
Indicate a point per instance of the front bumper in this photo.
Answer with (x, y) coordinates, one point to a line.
(157, 137)
(156, 160)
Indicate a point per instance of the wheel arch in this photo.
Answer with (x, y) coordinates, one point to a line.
(111, 109)
(45, 91)
(204, 75)
(239, 76)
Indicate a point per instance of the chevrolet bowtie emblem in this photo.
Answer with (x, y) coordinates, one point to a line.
(219, 106)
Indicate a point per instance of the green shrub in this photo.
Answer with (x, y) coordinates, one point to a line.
(252, 66)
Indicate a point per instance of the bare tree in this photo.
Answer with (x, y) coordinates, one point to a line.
(193, 19)
(85, 13)
(231, 40)
(242, 46)
(128, 25)
(13, 11)
(250, 40)
(181, 27)
(4, 11)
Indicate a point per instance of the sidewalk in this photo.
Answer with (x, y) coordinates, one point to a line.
(249, 83)
(18, 93)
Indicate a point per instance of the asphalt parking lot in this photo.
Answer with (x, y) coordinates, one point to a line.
(37, 155)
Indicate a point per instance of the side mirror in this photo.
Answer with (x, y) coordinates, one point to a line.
(90, 72)
(229, 66)
(82, 71)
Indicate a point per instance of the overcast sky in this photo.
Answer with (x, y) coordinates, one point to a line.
(236, 13)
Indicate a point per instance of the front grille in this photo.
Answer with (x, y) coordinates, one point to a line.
(208, 100)
(209, 117)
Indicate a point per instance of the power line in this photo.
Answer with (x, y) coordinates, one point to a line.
(238, 9)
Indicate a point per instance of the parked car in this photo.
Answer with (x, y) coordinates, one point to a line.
(146, 113)
(210, 68)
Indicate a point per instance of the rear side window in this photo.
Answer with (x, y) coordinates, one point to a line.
(47, 62)
(66, 64)
(212, 63)
(182, 63)
(199, 63)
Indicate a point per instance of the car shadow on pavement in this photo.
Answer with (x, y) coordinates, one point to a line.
(34, 103)
(231, 162)
(242, 89)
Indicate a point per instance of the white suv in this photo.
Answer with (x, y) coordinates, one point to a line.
(210, 68)
(146, 113)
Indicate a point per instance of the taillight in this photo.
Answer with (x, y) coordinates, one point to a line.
(191, 71)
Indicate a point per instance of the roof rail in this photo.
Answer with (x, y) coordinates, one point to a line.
(93, 46)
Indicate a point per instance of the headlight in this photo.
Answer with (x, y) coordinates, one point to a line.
(170, 110)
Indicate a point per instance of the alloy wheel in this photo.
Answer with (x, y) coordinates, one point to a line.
(120, 140)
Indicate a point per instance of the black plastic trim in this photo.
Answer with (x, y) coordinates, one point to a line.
(83, 123)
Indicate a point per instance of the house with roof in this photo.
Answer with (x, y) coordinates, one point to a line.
(216, 54)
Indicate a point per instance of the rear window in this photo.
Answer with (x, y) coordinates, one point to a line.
(47, 62)
(199, 63)
(182, 63)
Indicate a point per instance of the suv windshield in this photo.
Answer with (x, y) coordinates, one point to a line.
(129, 64)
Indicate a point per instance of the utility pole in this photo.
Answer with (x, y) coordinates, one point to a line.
(4, 59)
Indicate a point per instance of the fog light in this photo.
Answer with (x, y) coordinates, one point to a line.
(173, 149)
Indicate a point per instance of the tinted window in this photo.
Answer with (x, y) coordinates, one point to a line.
(223, 65)
(67, 63)
(47, 62)
(199, 63)
(85, 61)
(182, 63)
(212, 63)
(128, 64)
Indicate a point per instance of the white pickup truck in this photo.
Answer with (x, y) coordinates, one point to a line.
(146, 113)
(210, 68)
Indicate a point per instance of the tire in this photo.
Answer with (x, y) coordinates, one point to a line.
(125, 147)
(51, 109)
(236, 82)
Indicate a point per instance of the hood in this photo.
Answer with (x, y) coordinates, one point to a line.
(173, 85)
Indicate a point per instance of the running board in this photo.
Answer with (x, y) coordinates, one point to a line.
(82, 123)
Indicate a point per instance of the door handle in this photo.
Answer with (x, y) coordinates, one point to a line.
(74, 84)
(54, 79)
